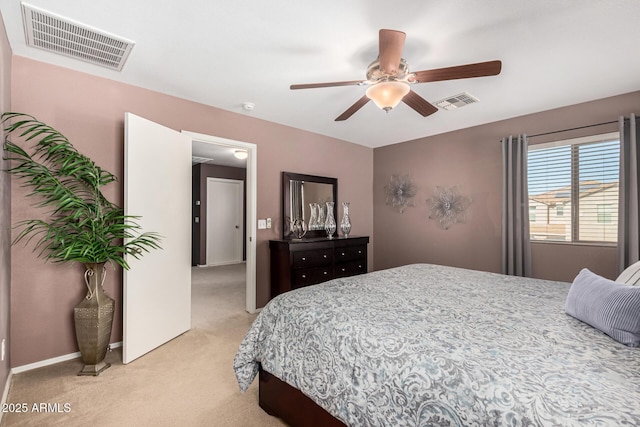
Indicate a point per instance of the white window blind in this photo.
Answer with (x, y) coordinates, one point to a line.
(573, 189)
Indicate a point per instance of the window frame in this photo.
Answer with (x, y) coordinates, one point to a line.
(574, 205)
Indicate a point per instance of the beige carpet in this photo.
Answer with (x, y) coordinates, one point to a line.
(186, 382)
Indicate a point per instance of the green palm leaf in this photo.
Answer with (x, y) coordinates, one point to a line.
(82, 224)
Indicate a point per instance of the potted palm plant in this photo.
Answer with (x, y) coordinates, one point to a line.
(80, 224)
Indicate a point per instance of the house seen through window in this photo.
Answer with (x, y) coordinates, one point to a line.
(573, 189)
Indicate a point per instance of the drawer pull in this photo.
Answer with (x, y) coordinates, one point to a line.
(324, 272)
(342, 254)
(304, 259)
(344, 269)
(304, 276)
(324, 256)
(359, 266)
(359, 252)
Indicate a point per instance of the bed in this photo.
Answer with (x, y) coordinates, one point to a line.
(429, 345)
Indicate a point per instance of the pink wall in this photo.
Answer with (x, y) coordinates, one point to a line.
(5, 208)
(471, 159)
(90, 112)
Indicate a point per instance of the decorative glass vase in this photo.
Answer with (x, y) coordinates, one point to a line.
(345, 223)
(313, 221)
(313, 218)
(330, 222)
(321, 216)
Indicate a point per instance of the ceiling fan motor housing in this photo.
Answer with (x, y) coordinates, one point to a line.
(375, 73)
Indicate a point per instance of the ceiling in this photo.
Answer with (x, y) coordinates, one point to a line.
(221, 155)
(554, 53)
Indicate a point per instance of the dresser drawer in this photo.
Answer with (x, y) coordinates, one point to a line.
(299, 263)
(351, 268)
(311, 276)
(348, 253)
(306, 259)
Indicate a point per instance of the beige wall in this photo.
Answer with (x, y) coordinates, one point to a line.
(5, 208)
(90, 112)
(471, 159)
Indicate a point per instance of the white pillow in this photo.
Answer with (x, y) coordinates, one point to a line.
(631, 275)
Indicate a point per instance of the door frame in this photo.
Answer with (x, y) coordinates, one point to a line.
(251, 205)
(239, 184)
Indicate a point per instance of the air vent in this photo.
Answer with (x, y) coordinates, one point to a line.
(57, 34)
(196, 159)
(456, 101)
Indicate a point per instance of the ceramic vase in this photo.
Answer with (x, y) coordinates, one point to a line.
(93, 318)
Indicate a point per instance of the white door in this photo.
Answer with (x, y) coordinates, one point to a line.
(157, 288)
(224, 221)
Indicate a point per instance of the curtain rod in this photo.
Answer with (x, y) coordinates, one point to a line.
(576, 128)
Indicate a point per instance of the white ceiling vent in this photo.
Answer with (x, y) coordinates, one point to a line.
(456, 101)
(196, 159)
(55, 33)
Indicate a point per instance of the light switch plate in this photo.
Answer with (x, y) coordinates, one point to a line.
(268, 222)
(262, 224)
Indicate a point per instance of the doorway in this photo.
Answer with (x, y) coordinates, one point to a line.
(250, 207)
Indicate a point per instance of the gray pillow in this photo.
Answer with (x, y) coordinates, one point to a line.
(613, 308)
(630, 275)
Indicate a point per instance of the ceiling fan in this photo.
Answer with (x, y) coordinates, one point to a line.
(389, 78)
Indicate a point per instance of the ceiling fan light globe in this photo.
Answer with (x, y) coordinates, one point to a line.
(387, 95)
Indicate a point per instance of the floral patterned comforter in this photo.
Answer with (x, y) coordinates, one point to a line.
(428, 345)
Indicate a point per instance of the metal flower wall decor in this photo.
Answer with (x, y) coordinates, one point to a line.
(399, 191)
(448, 206)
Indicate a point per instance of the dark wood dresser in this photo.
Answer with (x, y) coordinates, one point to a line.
(298, 263)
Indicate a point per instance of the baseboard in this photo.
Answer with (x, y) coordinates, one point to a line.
(219, 264)
(5, 394)
(54, 360)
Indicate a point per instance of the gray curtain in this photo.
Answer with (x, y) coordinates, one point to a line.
(628, 220)
(516, 250)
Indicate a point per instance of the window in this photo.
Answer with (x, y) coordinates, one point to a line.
(573, 187)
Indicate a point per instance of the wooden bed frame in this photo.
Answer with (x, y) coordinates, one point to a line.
(281, 400)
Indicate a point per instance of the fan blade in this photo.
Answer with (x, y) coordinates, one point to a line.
(355, 107)
(418, 103)
(330, 84)
(391, 43)
(480, 69)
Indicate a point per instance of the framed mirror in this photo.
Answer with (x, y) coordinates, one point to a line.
(305, 197)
